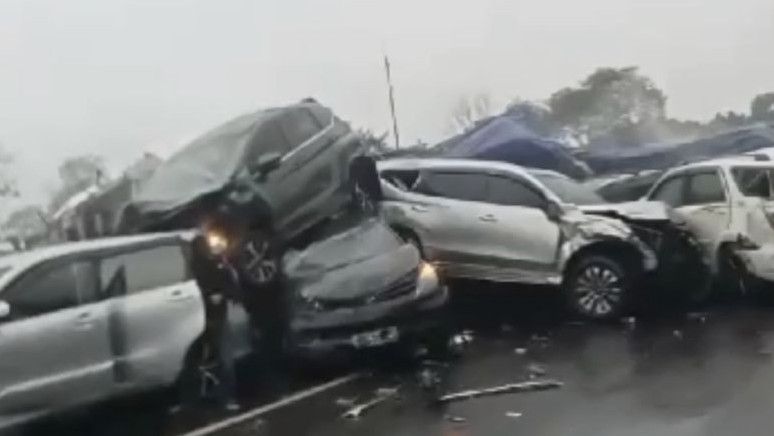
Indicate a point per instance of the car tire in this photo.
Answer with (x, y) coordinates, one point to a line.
(258, 260)
(598, 287)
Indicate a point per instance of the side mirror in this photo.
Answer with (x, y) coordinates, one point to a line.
(267, 163)
(5, 309)
(553, 211)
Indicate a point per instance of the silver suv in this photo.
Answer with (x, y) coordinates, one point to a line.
(89, 321)
(500, 222)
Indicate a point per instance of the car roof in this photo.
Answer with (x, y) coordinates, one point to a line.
(16, 263)
(454, 163)
(726, 162)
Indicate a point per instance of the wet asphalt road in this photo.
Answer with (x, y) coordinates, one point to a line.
(663, 374)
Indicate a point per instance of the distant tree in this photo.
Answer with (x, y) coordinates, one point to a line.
(762, 107)
(611, 101)
(468, 110)
(76, 174)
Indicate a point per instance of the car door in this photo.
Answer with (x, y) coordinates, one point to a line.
(453, 217)
(520, 235)
(700, 198)
(54, 346)
(156, 313)
(307, 178)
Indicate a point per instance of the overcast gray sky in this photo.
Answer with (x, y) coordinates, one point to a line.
(117, 77)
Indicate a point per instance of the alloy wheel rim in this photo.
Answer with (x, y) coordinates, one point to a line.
(599, 290)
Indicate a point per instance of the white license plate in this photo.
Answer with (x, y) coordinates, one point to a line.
(376, 338)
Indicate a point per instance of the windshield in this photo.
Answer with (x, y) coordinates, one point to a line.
(568, 190)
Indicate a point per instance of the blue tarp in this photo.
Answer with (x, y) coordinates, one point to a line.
(663, 156)
(506, 138)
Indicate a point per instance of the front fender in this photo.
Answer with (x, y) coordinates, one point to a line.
(578, 236)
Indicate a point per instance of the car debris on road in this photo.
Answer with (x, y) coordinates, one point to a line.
(513, 415)
(528, 386)
(382, 395)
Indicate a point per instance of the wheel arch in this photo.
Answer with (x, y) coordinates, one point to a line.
(628, 254)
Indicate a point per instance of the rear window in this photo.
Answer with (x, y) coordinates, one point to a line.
(752, 181)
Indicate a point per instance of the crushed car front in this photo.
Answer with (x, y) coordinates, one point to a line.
(360, 287)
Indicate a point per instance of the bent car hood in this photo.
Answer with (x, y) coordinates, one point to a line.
(633, 210)
(356, 263)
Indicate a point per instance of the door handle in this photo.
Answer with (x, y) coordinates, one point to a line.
(176, 294)
(83, 321)
(488, 218)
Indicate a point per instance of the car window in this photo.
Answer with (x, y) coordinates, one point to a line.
(270, 139)
(502, 190)
(141, 270)
(298, 126)
(670, 192)
(753, 182)
(705, 188)
(458, 186)
(568, 190)
(48, 289)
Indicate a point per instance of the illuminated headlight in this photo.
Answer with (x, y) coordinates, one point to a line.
(428, 279)
(217, 242)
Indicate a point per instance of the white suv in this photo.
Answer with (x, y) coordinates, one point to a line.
(729, 206)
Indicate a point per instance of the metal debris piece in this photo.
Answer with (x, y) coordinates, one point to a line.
(528, 386)
(536, 370)
(538, 338)
(383, 394)
(458, 342)
(513, 414)
(456, 419)
(520, 351)
(629, 321)
(346, 402)
(697, 316)
(677, 334)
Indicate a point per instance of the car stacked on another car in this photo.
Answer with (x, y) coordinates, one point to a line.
(728, 204)
(500, 222)
(258, 182)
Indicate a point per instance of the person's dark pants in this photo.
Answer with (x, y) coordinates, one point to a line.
(224, 348)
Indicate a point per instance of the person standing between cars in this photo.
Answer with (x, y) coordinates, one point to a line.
(219, 285)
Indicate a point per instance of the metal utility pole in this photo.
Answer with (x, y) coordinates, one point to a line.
(392, 102)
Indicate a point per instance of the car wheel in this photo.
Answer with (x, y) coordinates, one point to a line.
(598, 287)
(258, 260)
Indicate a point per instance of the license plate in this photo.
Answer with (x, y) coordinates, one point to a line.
(376, 338)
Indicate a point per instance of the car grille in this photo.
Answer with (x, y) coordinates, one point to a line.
(401, 287)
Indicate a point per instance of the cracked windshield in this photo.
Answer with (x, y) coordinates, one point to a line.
(386, 218)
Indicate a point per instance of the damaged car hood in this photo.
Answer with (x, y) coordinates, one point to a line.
(353, 264)
(633, 210)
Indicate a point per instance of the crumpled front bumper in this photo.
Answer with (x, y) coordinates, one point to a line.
(320, 334)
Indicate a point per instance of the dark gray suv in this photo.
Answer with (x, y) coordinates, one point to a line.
(256, 183)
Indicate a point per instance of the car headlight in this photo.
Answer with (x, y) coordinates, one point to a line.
(428, 279)
(217, 242)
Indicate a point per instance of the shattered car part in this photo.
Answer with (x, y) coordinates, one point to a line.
(357, 411)
(729, 205)
(258, 181)
(360, 286)
(513, 415)
(500, 222)
(520, 351)
(536, 370)
(529, 386)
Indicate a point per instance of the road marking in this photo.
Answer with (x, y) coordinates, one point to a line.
(298, 396)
